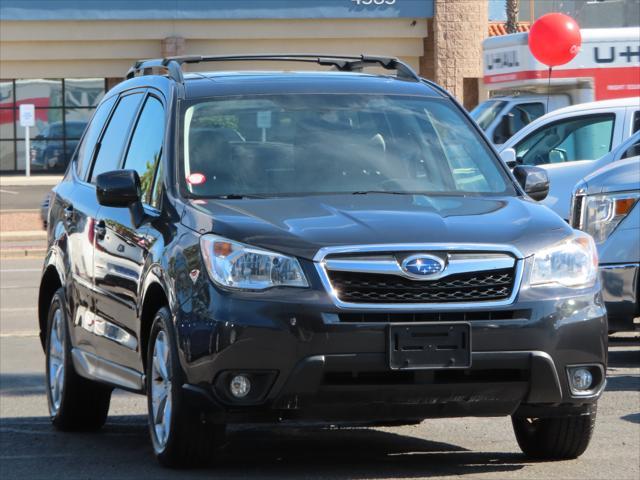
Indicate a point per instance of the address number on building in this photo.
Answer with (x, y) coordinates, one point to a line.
(373, 2)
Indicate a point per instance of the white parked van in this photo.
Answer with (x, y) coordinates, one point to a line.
(571, 142)
(607, 67)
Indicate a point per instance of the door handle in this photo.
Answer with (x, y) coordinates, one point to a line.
(68, 213)
(100, 229)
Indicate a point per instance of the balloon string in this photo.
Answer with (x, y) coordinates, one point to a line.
(548, 89)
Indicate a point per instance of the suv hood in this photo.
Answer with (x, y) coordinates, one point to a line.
(300, 226)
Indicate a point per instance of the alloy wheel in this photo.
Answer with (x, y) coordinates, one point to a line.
(161, 389)
(56, 361)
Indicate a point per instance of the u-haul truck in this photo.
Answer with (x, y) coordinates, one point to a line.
(607, 66)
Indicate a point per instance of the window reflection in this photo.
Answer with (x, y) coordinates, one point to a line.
(42, 93)
(6, 123)
(7, 155)
(83, 92)
(6, 93)
(63, 109)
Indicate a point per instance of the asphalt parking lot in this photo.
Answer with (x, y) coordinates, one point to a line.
(22, 197)
(474, 447)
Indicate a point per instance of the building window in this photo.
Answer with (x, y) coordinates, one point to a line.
(63, 109)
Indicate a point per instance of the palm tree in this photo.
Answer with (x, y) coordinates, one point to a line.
(512, 7)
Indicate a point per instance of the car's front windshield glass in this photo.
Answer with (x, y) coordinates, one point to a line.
(301, 144)
(485, 113)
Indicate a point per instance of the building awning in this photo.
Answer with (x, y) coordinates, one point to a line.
(211, 9)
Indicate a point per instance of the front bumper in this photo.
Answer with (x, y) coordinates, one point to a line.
(620, 292)
(313, 365)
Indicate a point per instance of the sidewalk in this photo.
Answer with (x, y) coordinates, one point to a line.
(21, 180)
(21, 235)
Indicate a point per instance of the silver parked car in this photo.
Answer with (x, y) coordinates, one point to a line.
(605, 205)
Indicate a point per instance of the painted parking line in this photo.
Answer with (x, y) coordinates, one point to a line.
(2, 190)
(18, 309)
(18, 270)
(20, 334)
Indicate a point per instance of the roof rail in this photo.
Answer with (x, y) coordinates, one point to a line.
(172, 65)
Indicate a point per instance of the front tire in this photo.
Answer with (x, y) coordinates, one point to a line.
(559, 438)
(181, 437)
(75, 403)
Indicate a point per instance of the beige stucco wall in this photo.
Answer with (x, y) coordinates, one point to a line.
(108, 48)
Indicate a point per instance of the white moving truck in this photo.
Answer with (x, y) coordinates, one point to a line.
(607, 67)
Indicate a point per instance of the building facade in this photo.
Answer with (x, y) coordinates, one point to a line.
(62, 55)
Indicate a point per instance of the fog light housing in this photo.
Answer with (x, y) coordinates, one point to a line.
(586, 380)
(240, 386)
(581, 379)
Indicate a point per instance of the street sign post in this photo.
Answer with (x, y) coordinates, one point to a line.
(27, 120)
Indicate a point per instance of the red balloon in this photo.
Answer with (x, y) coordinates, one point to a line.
(554, 39)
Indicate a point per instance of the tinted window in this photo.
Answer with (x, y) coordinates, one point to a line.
(146, 144)
(301, 144)
(636, 122)
(487, 111)
(584, 138)
(525, 113)
(85, 150)
(115, 136)
(522, 114)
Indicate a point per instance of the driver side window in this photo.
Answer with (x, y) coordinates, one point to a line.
(568, 140)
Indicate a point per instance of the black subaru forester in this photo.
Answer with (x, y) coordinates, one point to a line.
(337, 247)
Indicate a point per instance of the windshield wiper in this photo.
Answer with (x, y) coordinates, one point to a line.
(238, 196)
(388, 192)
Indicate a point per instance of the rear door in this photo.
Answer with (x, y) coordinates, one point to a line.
(121, 247)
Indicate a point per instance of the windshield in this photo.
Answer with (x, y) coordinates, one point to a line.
(484, 113)
(277, 145)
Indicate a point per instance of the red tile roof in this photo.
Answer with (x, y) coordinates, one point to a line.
(498, 28)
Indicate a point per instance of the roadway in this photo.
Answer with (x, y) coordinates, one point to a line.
(22, 197)
(483, 448)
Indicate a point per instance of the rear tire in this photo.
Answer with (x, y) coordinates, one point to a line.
(75, 403)
(559, 438)
(180, 436)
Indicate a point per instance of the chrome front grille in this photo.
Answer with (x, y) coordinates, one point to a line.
(360, 278)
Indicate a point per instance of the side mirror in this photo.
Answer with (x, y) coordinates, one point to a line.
(533, 180)
(508, 156)
(121, 189)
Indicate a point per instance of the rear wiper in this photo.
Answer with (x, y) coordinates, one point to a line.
(388, 192)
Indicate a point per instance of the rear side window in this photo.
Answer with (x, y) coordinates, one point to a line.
(568, 140)
(115, 136)
(636, 122)
(146, 144)
(85, 149)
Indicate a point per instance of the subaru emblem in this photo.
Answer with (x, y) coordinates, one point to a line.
(422, 266)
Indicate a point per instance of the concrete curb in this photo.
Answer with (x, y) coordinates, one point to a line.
(17, 236)
(23, 234)
(23, 252)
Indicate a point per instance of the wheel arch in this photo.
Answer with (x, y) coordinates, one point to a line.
(154, 297)
(50, 282)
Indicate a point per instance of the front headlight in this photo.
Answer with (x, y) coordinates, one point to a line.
(236, 265)
(571, 263)
(601, 214)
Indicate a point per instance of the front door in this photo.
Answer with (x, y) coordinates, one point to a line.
(121, 246)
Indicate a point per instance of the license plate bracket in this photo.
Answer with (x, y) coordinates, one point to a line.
(414, 346)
